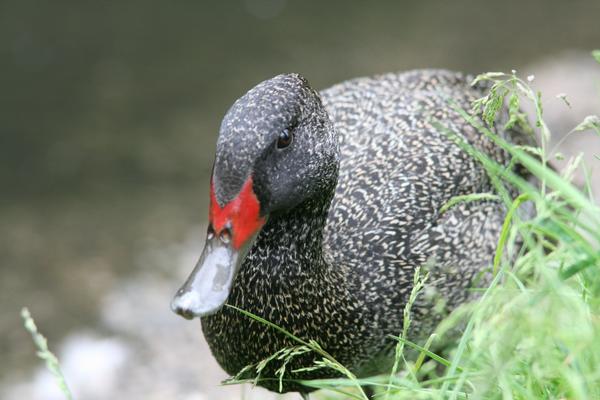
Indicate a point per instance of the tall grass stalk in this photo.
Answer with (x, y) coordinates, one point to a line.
(45, 354)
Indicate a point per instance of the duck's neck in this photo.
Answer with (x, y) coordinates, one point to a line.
(287, 279)
(286, 269)
(290, 245)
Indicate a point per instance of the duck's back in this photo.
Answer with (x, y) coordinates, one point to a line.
(396, 171)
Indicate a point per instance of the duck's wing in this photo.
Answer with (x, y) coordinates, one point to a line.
(399, 165)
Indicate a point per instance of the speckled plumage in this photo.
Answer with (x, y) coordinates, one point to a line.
(353, 209)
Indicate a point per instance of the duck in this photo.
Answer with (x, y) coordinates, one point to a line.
(323, 204)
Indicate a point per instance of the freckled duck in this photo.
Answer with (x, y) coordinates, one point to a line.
(321, 207)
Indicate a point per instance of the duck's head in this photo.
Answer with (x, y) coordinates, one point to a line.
(276, 149)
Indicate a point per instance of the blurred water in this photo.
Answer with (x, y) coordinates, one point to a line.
(109, 113)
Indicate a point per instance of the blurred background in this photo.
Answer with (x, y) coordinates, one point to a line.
(109, 113)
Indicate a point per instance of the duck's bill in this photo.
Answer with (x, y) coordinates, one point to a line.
(234, 227)
(207, 288)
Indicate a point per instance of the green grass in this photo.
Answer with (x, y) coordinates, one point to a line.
(45, 354)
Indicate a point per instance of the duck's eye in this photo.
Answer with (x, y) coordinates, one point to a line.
(284, 139)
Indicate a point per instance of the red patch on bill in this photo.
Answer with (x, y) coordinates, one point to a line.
(241, 215)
